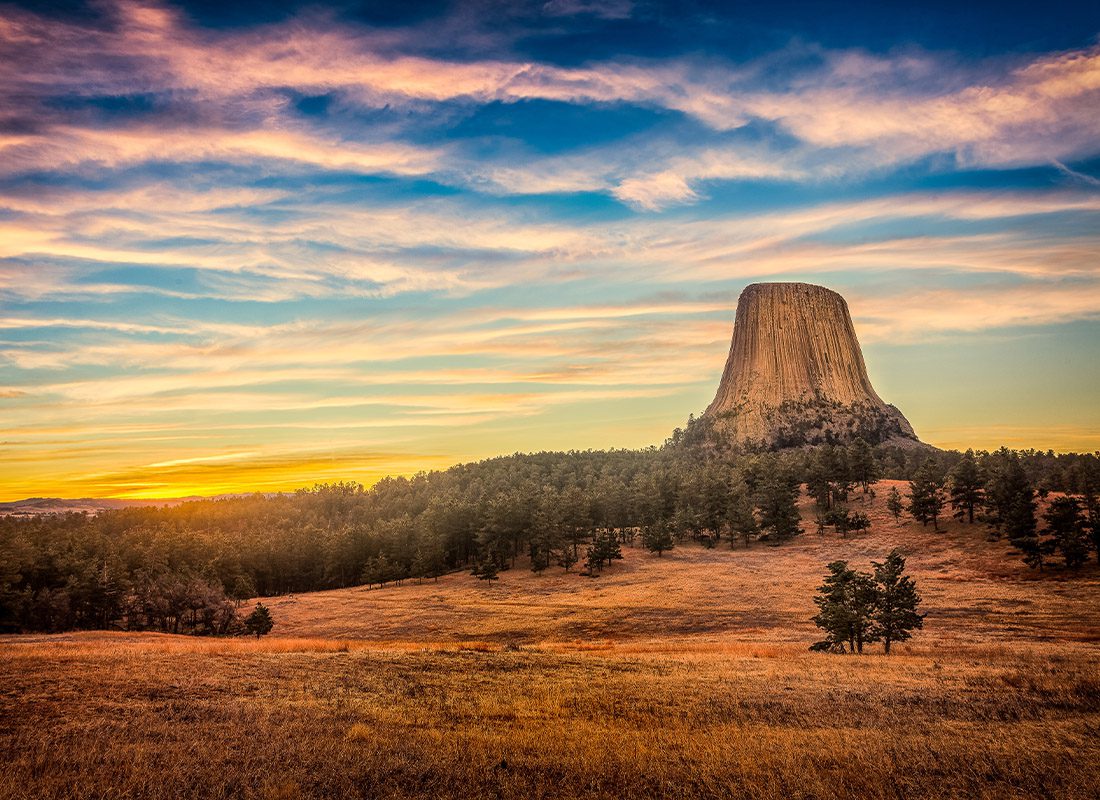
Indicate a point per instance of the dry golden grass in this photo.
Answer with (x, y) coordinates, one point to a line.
(685, 676)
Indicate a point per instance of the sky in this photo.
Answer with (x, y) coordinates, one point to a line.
(257, 246)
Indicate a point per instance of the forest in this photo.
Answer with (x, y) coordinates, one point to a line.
(187, 568)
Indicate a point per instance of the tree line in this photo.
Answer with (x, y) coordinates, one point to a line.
(187, 568)
(996, 490)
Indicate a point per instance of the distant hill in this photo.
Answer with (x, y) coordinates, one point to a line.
(38, 506)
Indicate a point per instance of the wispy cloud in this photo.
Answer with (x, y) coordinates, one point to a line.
(852, 112)
(222, 246)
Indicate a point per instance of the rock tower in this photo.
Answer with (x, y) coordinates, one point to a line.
(795, 375)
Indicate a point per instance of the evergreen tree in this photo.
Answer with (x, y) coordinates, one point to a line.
(486, 571)
(607, 547)
(838, 518)
(895, 612)
(259, 622)
(863, 597)
(818, 483)
(863, 469)
(846, 603)
(428, 562)
(540, 559)
(834, 616)
(741, 516)
(567, 558)
(894, 504)
(926, 494)
(1084, 481)
(378, 570)
(778, 503)
(967, 487)
(1011, 498)
(859, 522)
(1067, 524)
(657, 538)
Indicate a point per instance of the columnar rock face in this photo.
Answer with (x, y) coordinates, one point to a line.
(795, 374)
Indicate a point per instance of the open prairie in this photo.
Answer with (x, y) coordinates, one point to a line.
(685, 675)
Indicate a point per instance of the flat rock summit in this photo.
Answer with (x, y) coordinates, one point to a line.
(795, 375)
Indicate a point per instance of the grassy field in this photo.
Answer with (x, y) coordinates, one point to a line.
(681, 676)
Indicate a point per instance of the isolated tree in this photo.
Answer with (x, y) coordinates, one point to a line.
(926, 494)
(259, 622)
(657, 538)
(966, 487)
(895, 613)
(1067, 525)
(894, 504)
(846, 604)
(834, 616)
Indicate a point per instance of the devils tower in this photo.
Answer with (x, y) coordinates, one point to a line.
(795, 375)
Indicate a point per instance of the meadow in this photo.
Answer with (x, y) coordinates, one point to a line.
(679, 676)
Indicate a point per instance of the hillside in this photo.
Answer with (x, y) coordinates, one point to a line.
(973, 592)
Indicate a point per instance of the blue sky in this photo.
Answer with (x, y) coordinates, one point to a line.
(257, 245)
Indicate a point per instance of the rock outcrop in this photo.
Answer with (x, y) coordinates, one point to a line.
(795, 375)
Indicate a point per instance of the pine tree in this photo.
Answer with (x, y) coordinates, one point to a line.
(1067, 524)
(862, 467)
(378, 570)
(741, 516)
(846, 604)
(818, 484)
(657, 538)
(486, 571)
(1011, 498)
(607, 547)
(834, 615)
(859, 522)
(966, 487)
(894, 503)
(838, 518)
(895, 612)
(926, 494)
(428, 562)
(259, 622)
(540, 559)
(778, 503)
(567, 558)
(863, 597)
(1085, 481)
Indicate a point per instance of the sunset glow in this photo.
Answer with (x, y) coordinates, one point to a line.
(261, 249)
